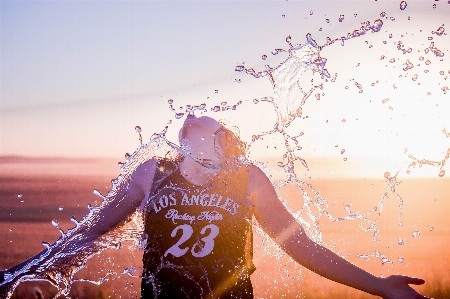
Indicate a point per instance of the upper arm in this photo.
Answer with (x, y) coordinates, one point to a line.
(269, 211)
(142, 177)
(127, 197)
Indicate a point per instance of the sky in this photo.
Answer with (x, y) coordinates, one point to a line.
(76, 77)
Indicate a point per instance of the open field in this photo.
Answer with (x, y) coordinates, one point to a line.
(26, 220)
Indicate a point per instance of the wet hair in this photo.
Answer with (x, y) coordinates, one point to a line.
(232, 146)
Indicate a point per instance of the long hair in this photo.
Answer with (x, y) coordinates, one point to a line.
(233, 148)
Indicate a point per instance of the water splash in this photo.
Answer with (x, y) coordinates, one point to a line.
(421, 162)
(59, 262)
(439, 31)
(286, 75)
(288, 101)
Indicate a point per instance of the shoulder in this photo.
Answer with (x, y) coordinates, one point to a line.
(151, 173)
(151, 166)
(145, 168)
(144, 174)
(256, 174)
(259, 185)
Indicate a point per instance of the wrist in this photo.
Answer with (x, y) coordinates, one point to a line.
(380, 286)
(2, 275)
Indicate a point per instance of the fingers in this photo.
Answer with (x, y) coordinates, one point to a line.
(413, 280)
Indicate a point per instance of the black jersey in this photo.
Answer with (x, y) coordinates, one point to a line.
(199, 238)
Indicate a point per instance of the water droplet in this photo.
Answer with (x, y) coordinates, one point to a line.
(355, 15)
(327, 20)
(390, 35)
(61, 208)
(387, 174)
(383, 14)
(342, 151)
(138, 129)
(288, 39)
(431, 228)
(442, 173)
(216, 91)
(439, 31)
(403, 5)
(179, 115)
(318, 96)
(19, 195)
(400, 259)
(216, 109)
(223, 103)
(239, 68)
(345, 159)
(276, 51)
(311, 12)
(385, 260)
(400, 224)
(341, 18)
(400, 241)
(415, 233)
(55, 223)
(256, 101)
(264, 57)
(392, 18)
(414, 77)
(343, 121)
(74, 219)
(434, 5)
(170, 101)
(283, 16)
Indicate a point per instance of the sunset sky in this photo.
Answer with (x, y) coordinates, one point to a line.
(78, 76)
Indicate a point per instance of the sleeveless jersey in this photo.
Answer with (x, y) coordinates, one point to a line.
(199, 238)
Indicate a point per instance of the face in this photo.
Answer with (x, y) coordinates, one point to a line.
(200, 135)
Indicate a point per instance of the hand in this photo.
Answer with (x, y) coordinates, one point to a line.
(3, 288)
(397, 287)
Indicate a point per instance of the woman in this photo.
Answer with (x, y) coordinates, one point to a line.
(198, 223)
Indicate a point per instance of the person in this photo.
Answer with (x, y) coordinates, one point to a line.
(198, 223)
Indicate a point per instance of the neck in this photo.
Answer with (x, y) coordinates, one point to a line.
(197, 173)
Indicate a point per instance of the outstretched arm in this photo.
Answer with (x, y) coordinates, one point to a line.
(79, 243)
(282, 227)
